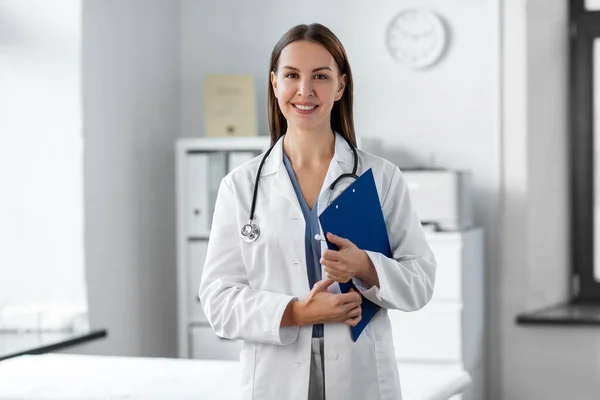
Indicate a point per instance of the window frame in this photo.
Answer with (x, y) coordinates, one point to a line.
(584, 29)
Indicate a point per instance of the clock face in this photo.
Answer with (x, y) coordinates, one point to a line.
(416, 38)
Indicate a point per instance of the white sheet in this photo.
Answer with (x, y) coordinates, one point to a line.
(83, 377)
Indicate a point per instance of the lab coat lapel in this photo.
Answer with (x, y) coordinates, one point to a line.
(275, 173)
(341, 163)
(335, 170)
(283, 184)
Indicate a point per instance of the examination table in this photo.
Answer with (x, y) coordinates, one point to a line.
(57, 376)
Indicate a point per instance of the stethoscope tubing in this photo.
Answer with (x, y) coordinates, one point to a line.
(250, 231)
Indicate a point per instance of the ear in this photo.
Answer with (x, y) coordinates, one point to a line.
(274, 82)
(341, 88)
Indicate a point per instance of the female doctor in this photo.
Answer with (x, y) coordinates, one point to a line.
(270, 283)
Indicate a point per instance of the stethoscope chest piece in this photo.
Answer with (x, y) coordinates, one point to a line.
(250, 232)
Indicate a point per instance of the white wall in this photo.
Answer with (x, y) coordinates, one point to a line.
(538, 362)
(450, 113)
(41, 201)
(131, 120)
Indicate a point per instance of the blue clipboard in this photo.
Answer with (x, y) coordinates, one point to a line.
(356, 215)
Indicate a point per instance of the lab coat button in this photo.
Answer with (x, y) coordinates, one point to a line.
(333, 356)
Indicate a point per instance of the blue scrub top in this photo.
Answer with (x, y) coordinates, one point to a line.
(312, 246)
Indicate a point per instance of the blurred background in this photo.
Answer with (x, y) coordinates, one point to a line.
(101, 101)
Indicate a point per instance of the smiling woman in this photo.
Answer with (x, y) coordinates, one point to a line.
(309, 69)
(277, 288)
(307, 85)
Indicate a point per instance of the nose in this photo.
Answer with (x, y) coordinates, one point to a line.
(305, 88)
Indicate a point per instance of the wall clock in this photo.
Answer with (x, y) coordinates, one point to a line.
(416, 38)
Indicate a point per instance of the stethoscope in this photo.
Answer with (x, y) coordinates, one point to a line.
(250, 231)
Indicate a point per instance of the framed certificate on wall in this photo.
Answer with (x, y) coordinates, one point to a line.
(230, 105)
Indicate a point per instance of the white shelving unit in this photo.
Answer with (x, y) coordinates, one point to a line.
(201, 164)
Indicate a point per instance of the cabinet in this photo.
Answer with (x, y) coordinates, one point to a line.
(450, 329)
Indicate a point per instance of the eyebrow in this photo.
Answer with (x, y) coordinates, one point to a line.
(314, 70)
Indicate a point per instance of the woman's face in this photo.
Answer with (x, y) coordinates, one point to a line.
(307, 83)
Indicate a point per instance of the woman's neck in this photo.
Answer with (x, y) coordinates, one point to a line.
(307, 149)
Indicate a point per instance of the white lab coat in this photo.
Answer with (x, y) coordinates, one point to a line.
(246, 287)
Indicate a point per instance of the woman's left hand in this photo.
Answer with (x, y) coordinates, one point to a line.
(347, 262)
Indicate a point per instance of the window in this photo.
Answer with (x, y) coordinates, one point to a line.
(585, 149)
(41, 168)
(592, 5)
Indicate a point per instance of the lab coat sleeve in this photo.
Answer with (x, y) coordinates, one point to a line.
(233, 308)
(406, 281)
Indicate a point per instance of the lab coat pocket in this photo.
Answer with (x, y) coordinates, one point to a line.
(247, 362)
(387, 371)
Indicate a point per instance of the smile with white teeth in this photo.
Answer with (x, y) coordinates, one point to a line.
(304, 108)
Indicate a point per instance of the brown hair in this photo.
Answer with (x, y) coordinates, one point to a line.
(342, 120)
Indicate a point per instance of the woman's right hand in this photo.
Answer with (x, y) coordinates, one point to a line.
(322, 307)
